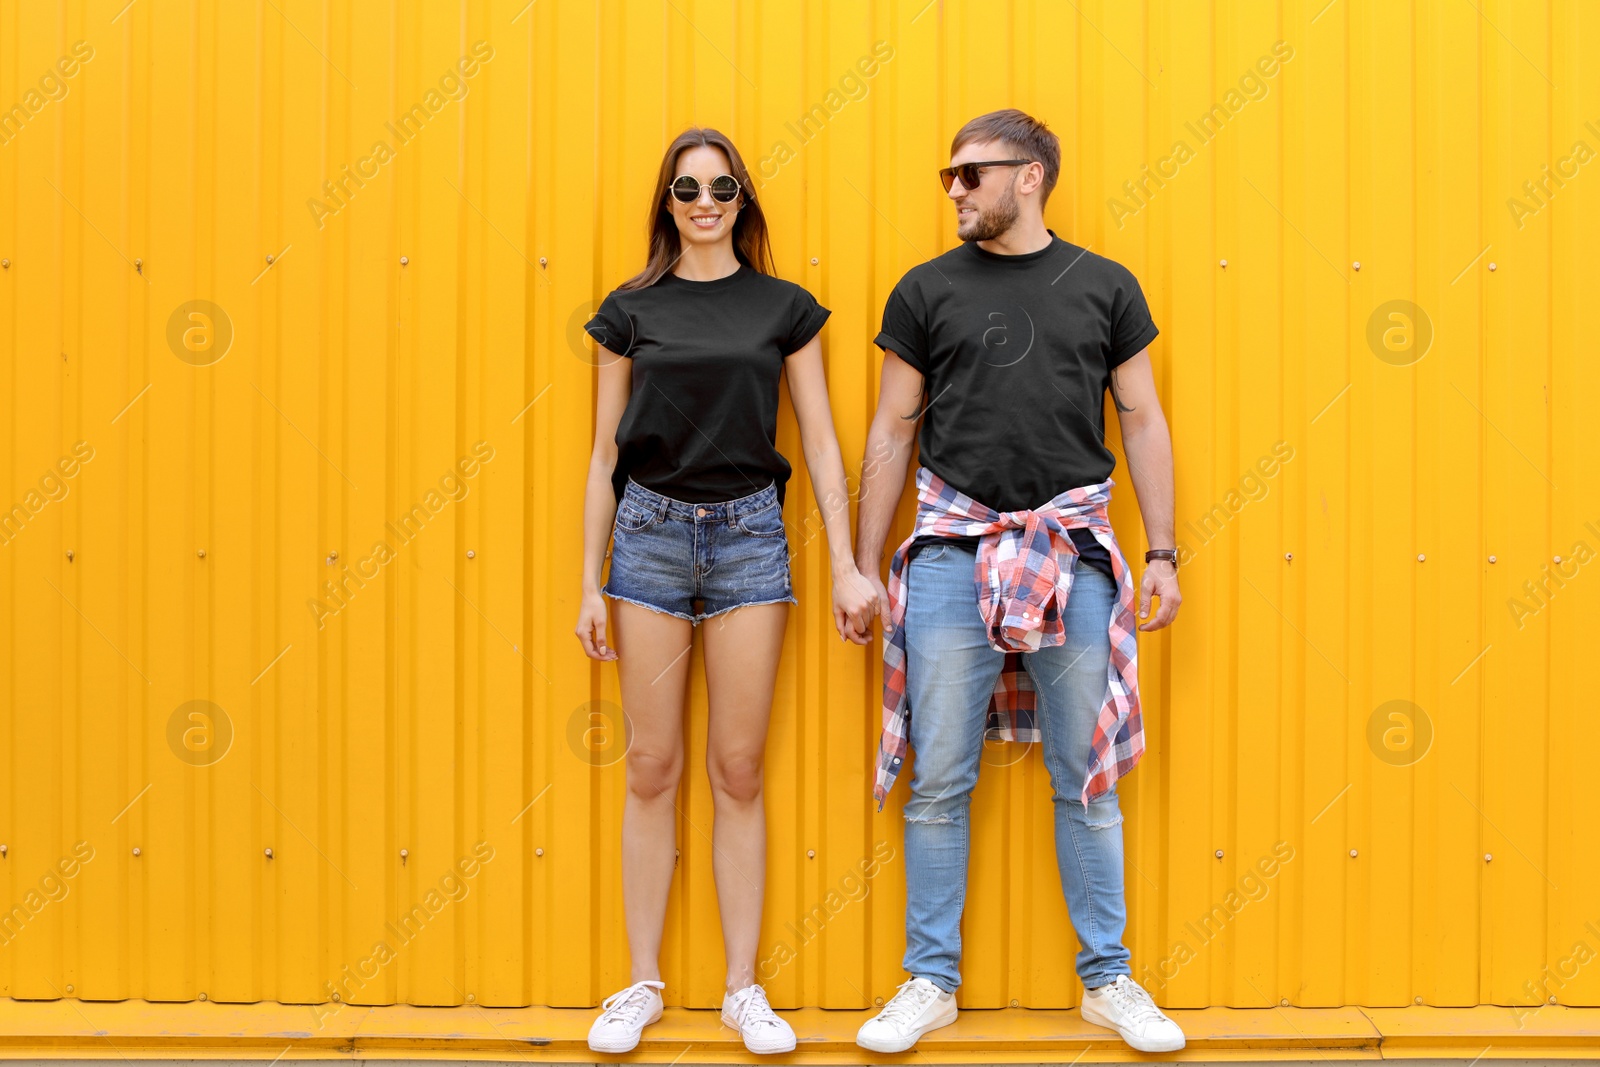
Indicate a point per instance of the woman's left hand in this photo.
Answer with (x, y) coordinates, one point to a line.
(855, 602)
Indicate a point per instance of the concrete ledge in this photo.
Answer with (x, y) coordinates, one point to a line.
(135, 1029)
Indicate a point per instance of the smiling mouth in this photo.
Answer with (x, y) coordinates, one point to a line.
(705, 222)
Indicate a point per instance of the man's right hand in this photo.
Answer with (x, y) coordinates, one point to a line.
(890, 443)
(870, 573)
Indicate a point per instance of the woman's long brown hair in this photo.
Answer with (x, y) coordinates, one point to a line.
(749, 229)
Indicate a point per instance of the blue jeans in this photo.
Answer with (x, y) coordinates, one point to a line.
(950, 675)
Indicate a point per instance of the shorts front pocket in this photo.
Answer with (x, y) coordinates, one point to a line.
(768, 522)
(631, 518)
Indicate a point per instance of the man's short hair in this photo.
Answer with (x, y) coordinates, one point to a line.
(1023, 134)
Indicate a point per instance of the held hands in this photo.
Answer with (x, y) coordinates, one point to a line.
(1160, 581)
(856, 599)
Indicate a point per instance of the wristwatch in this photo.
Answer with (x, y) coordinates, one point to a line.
(1168, 554)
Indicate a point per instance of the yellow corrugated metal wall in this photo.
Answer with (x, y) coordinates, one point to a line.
(338, 503)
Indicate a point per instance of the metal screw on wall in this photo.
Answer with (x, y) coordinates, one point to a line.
(1224, 264)
(1420, 557)
(138, 265)
(70, 988)
(538, 852)
(404, 260)
(543, 262)
(813, 261)
(403, 854)
(1356, 265)
(1283, 1003)
(136, 850)
(811, 853)
(1352, 853)
(1419, 1000)
(333, 557)
(1558, 559)
(269, 853)
(201, 553)
(1494, 266)
(69, 555)
(3, 850)
(1488, 857)
(202, 996)
(471, 554)
(6, 263)
(1289, 557)
(1491, 559)
(1219, 853)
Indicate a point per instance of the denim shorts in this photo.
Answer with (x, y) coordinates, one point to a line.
(699, 560)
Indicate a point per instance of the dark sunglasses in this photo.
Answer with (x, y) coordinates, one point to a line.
(686, 188)
(969, 173)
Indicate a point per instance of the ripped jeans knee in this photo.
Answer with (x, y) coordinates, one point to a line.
(935, 818)
(946, 806)
(1104, 812)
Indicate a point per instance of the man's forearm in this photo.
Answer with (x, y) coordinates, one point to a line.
(1150, 463)
(883, 478)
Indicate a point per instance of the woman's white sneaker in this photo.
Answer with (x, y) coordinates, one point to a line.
(748, 1012)
(624, 1015)
(1124, 1006)
(920, 1006)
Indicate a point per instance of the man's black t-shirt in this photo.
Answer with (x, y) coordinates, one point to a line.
(702, 419)
(1016, 353)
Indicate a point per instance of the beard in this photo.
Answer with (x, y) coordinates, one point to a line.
(988, 223)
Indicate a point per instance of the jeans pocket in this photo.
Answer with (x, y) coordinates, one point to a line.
(631, 518)
(768, 522)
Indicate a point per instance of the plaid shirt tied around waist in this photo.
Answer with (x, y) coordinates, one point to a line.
(1022, 579)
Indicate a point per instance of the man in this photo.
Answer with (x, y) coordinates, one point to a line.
(1019, 610)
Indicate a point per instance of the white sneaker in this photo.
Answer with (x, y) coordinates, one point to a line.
(920, 1006)
(623, 1017)
(748, 1012)
(1124, 1006)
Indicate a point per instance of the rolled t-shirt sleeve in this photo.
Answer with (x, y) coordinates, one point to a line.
(612, 326)
(806, 317)
(904, 332)
(1132, 327)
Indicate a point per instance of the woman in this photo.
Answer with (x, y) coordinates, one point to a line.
(687, 481)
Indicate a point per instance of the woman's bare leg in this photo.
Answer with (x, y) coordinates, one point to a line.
(742, 649)
(653, 669)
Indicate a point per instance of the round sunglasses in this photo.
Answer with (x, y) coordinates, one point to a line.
(686, 188)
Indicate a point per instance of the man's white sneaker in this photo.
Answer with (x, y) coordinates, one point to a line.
(623, 1017)
(1124, 1006)
(748, 1012)
(920, 1006)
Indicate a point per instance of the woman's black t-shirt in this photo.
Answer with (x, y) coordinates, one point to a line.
(702, 419)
